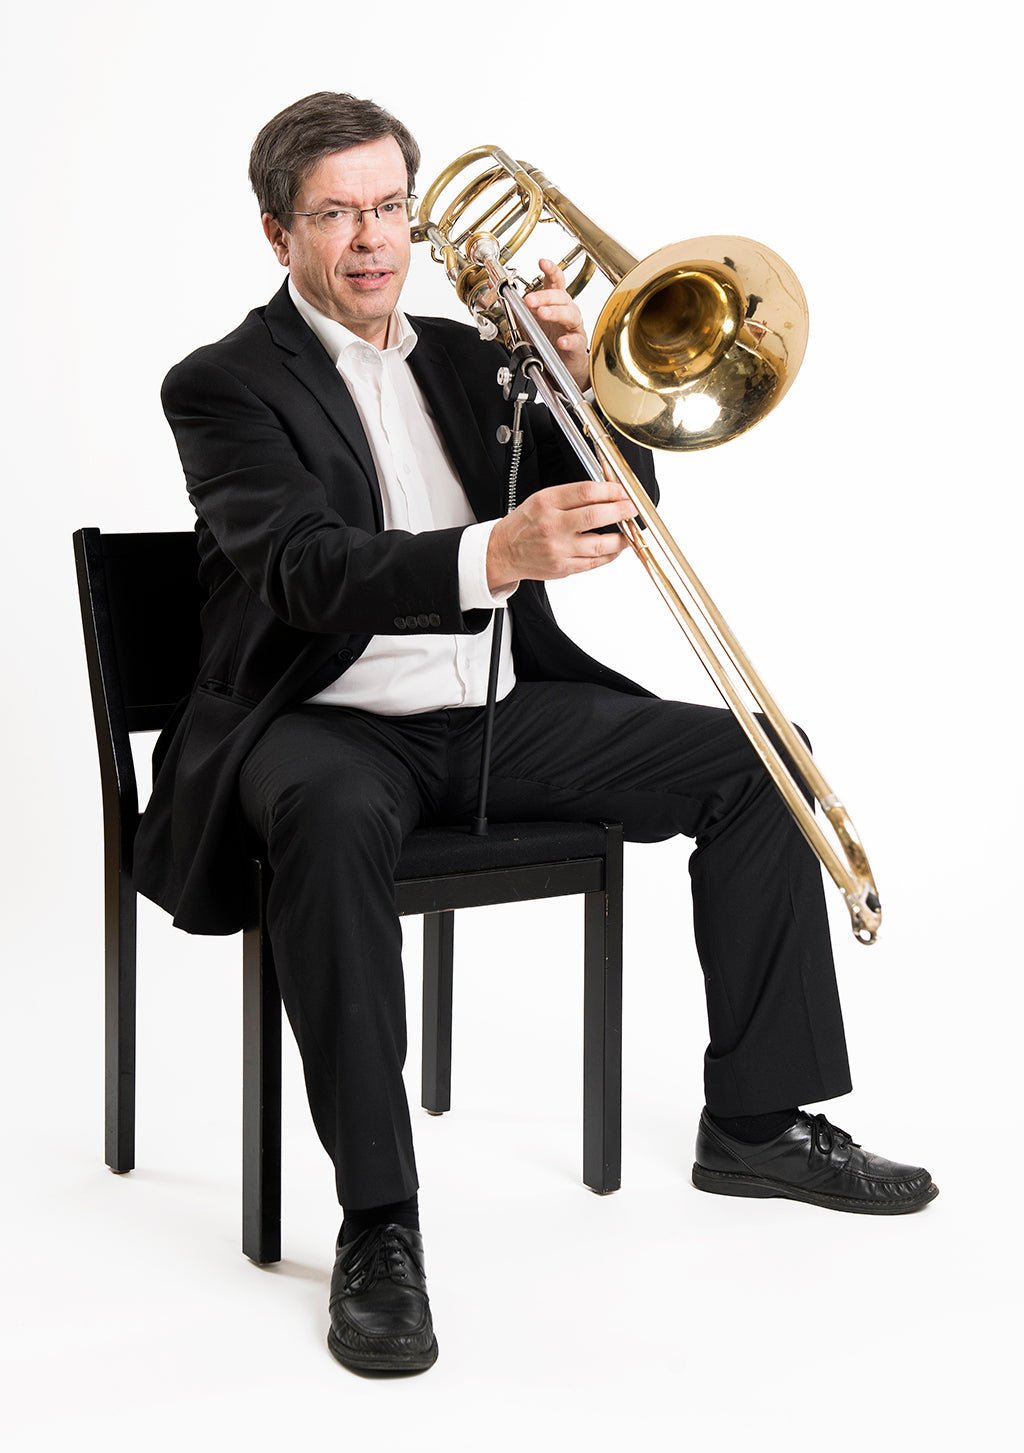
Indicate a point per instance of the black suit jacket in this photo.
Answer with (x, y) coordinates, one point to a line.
(299, 573)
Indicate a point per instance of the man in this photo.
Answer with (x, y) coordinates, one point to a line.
(344, 466)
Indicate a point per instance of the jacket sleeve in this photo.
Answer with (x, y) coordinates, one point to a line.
(280, 525)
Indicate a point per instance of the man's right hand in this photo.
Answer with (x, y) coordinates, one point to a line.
(548, 536)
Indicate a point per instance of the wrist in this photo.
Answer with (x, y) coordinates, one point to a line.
(501, 575)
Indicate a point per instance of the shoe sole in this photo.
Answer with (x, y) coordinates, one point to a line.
(732, 1183)
(413, 1362)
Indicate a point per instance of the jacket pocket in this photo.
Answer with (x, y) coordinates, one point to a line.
(224, 691)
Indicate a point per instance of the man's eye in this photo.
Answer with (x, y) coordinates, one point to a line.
(333, 216)
(390, 209)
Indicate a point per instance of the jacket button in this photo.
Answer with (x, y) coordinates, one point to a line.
(433, 619)
(400, 623)
(422, 620)
(344, 657)
(410, 620)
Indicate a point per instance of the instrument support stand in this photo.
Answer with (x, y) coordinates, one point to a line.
(521, 390)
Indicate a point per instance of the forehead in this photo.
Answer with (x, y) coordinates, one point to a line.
(376, 167)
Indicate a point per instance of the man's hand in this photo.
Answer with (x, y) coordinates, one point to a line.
(546, 537)
(562, 321)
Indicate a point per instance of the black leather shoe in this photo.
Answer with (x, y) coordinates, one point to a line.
(813, 1161)
(380, 1315)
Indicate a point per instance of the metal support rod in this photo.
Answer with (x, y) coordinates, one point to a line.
(480, 820)
(521, 392)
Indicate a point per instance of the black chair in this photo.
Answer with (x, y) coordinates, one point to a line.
(140, 613)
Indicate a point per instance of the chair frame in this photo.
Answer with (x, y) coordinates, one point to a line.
(435, 896)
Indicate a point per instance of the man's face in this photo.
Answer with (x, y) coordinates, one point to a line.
(355, 278)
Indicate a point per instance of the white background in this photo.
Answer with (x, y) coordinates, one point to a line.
(863, 544)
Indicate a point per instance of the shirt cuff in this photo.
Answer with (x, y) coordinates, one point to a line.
(473, 591)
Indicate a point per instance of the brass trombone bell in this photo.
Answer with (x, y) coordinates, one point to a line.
(698, 342)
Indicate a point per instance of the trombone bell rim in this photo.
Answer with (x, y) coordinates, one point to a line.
(738, 338)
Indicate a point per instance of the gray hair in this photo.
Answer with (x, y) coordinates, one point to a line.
(298, 138)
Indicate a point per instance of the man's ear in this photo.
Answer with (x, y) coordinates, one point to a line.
(277, 237)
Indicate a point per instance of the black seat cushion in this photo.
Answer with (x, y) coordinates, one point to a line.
(431, 851)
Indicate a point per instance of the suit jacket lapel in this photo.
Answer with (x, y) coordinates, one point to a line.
(436, 376)
(308, 361)
(444, 391)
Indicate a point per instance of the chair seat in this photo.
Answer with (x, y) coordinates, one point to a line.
(431, 851)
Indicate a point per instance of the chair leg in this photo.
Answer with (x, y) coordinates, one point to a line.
(119, 1014)
(602, 1026)
(438, 966)
(261, 1096)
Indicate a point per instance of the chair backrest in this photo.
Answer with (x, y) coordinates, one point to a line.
(140, 602)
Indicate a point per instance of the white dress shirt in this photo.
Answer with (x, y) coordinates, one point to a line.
(402, 675)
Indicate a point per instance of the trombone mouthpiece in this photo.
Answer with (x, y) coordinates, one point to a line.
(484, 248)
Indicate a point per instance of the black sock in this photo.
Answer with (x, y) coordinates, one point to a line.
(398, 1213)
(756, 1129)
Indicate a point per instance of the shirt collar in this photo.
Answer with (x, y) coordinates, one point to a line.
(337, 339)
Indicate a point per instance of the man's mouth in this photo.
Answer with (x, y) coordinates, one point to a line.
(370, 276)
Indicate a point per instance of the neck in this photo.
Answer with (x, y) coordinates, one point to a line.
(378, 337)
(375, 331)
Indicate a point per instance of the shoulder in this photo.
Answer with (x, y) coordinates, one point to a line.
(445, 330)
(461, 341)
(257, 345)
(241, 350)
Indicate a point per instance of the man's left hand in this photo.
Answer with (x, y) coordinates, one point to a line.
(562, 321)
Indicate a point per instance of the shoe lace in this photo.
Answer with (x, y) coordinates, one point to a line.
(385, 1255)
(827, 1136)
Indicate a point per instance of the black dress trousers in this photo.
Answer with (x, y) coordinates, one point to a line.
(331, 793)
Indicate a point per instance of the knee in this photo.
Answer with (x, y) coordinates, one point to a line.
(764, 777)
(772, 734)
(799, 729)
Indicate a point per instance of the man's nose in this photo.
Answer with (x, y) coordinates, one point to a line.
(369, 233)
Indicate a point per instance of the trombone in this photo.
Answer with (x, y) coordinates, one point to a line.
(695, 344)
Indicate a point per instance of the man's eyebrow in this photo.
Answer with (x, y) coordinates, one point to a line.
(351, 206)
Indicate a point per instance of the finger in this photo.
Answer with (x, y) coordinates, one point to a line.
(546, 298)
(554, 309)
(553, 273)
(580, 493)
(599, 517)
(601, 550)
(562, 319)
(555, 289)
(578, 553)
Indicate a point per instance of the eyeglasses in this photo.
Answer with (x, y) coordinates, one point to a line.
(340, 221)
